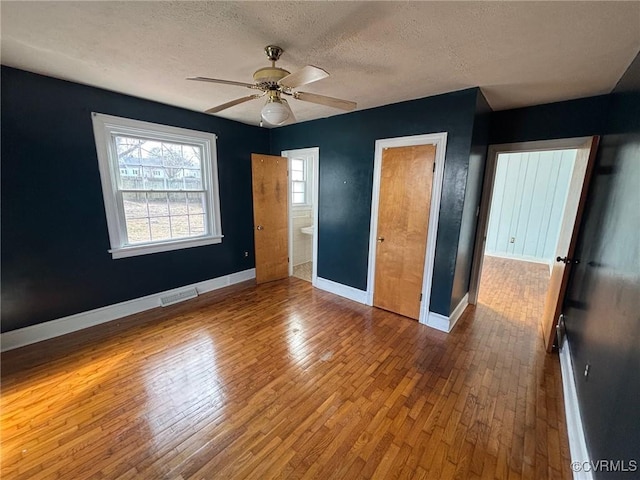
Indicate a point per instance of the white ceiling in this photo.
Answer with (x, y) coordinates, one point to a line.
(520, 53)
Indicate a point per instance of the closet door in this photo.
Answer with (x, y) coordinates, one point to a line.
(403, 223)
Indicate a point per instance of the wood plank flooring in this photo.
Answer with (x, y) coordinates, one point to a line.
(285, 381)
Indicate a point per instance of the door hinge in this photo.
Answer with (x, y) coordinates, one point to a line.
(434, 166)
(420, 297)
(287, 259)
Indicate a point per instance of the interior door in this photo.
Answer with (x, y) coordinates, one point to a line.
(270, 216)
(574, 207)
(403, 222)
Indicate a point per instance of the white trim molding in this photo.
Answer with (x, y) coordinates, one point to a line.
(437, 321)
(440, 142)
(577, 440)
(444, 323)
(458, 311)
(73, 323)
(341, 290)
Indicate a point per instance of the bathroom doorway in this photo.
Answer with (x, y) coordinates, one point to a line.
(303, 212)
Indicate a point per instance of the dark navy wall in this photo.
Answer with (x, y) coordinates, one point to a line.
(54, 233)
(473, 191)
(602, 305)
(574, 118)
(347, 144)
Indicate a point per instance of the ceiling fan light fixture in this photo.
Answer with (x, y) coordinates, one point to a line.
(275, 111)
(275, 82)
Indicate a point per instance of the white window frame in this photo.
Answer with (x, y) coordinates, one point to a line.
(104, 129)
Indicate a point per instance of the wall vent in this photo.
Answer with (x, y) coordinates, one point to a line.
(178, 297)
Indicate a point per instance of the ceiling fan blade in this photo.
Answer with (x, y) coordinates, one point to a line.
(225, 82)
(292, 118)
(324, 100)
(232, 103)
(303, 76)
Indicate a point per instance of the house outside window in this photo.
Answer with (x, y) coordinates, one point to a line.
(160, 186)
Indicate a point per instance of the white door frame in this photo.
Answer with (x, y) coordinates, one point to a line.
(315, 152)
(440, 142)
(487, 193)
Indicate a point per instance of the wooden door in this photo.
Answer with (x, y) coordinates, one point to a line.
(574, 207)
(270, 217)
(403, 223)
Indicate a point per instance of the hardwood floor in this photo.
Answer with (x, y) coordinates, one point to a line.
(285, 381)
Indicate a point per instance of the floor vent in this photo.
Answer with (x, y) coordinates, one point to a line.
(178, 297)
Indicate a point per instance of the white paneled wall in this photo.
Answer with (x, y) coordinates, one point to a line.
(302, 243)
(529, 196)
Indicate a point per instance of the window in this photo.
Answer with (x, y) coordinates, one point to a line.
(300, 181)
(160, 186)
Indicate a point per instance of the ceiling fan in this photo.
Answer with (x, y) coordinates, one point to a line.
(274, 82)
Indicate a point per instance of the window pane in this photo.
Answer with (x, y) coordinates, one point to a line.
(195, 203)
(297, 164)
(158, 204)
(197, 224)
(297, 176)
(138, 230)
(131, 183)
(175, 184)
(158, 216)
(156, 165)
(298, 198)
(298, 187)
(178, 203)
(160, 228)
(179, 226)
(193, 183)
(135, 205)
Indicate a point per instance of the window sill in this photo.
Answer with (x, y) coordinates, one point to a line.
(135, 250)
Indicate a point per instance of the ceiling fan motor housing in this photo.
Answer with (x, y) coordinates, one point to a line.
(269, 76)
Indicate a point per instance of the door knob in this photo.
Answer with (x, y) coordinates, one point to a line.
(259, 227)
(380, 239)
(567, 260)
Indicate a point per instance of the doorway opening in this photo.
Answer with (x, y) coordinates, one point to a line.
(303, 212)
(532, 201)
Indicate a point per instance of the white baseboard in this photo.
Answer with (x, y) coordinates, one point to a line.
(458, 311)
(437, 321)
(444, 323)
(72, 323)
(577, 441)
(345, 291)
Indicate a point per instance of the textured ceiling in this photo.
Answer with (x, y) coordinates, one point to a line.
(520, 53)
